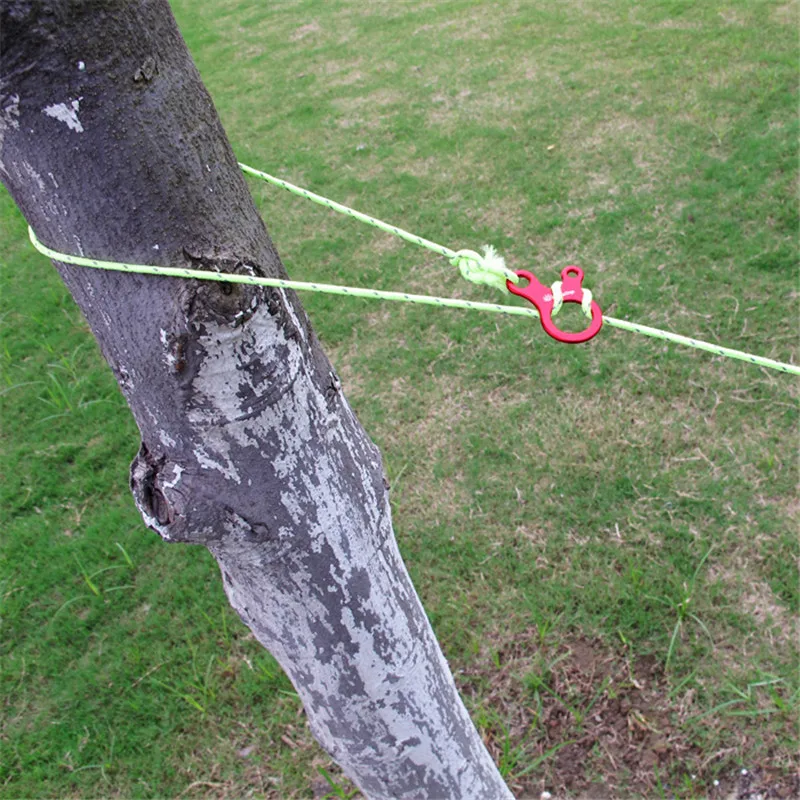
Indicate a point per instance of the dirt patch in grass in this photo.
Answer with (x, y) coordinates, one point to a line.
(598, 723)
(757, 784)
(577, 719)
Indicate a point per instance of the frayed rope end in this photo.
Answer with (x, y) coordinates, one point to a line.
(489, 268)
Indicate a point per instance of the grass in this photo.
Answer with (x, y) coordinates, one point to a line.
(606, 531)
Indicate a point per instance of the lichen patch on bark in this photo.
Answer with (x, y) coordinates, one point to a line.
(66, 113)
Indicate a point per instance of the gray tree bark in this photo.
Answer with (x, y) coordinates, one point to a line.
(111, 147)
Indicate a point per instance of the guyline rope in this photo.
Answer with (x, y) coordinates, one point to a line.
(488, 269)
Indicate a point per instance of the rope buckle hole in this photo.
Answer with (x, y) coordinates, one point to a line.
(548, 302)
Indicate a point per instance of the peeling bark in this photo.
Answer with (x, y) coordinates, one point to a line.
(111, 147)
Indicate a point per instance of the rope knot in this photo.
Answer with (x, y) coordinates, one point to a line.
(489, 268)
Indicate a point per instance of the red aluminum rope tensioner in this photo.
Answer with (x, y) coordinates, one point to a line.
(542, 297)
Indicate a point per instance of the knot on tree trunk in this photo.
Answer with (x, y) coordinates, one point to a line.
(154, 482)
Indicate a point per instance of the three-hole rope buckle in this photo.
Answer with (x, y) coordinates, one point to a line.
(548, 301)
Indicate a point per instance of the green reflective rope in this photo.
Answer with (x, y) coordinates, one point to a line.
(698, 344)
(488, 269)
(280, 283)
(403, 297)
(477, 270)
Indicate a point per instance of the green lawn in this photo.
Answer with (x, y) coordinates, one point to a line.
(604, 535)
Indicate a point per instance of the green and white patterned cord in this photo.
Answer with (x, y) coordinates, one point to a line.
(488, 269)
(280, 283)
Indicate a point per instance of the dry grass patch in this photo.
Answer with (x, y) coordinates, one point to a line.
(426, 168)
(348, 79)
(443, 408)
(787, 14)
(379, 98)
(506, 213)
(336, 68)
(597, 147)
(309, 29)
(482, 25)
(448, 111)
(760, 602)
(424, 420)
(750, 594)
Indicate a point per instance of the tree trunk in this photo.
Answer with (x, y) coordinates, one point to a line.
(111, 147)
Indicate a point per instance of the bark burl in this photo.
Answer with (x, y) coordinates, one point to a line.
(111, 147)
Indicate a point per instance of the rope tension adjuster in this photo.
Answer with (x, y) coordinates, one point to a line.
(545, 301)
